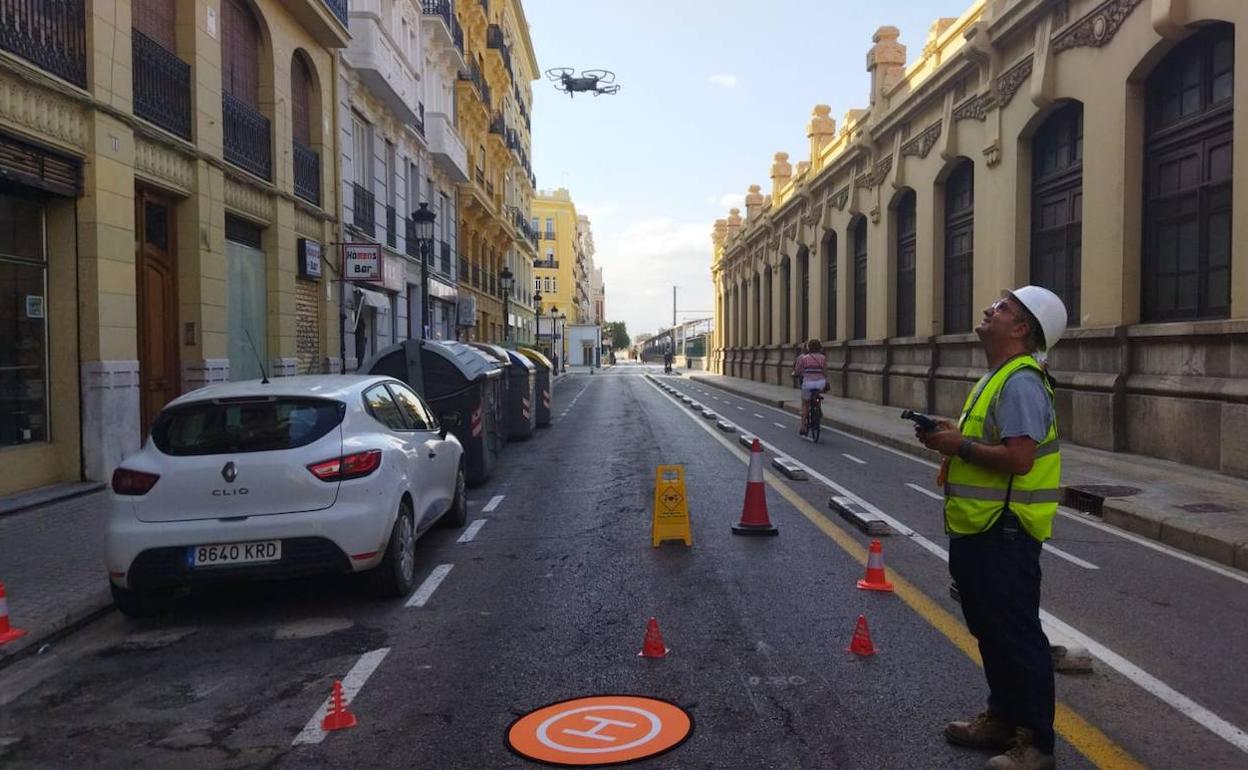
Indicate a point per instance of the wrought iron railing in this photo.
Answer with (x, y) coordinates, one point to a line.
(307, 173)
(494, 39)
(492, 284)
(480, 175)
(162, 86)
(547, 263)
(364, 214)
(51, 34)
(339, 7)
(411, 245)
(246, 137)
(457, 34)
(446, 258)
(392, 229)
(550, 235)
(420, 117)
(438, 8)
(463, 269)
(498, 125)
(476, 276)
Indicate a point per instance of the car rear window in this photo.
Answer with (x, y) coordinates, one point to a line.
(245, 425)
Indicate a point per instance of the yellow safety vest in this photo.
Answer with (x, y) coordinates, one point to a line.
(975, 497)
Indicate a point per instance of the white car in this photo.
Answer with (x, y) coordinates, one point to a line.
(281, 478)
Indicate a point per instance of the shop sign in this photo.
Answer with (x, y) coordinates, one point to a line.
(309, 258)
(467, 310)
(361, 262)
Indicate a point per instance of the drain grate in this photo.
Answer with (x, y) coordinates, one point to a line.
(1084, 501)
(1109, 490)
(1205, 508)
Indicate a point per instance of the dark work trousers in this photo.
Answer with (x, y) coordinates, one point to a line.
(998, 577)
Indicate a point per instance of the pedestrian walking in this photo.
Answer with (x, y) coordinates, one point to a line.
(1001, 474)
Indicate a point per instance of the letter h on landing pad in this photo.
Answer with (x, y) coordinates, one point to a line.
(671, 507)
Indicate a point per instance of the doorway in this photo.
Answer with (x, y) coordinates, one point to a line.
(157, 305)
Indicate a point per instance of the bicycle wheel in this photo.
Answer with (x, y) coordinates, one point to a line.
(816, 422)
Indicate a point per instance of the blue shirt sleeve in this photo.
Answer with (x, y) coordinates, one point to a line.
(1024, 408)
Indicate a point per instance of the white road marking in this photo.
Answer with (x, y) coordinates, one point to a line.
(1054, 626)
(429, 586)
(472, 531)
(351, 685)
(493, 503)
(928, 492)
(1059, 553)
(759, 416)
(740, 409)
(853, 459)
(779, 425)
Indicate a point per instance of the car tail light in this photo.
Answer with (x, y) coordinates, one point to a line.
(128, 482)
(352, 466)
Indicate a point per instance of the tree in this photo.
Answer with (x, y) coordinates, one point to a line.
(616, 332)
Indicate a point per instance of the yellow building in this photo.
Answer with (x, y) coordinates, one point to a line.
(494, 98)
(166, 165)
(556, 222)
(1085, 145)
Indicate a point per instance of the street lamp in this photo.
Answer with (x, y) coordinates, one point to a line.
(508, 281)
(563, 348)
(537, 305)
(422, 228)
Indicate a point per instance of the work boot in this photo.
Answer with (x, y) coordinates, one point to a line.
(1022, 755)
(986, 731)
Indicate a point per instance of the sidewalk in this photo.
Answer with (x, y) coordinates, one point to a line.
(1192, 509)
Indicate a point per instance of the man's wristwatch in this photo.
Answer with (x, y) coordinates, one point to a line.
(964, 451)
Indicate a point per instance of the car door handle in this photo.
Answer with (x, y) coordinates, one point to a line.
(432, 453)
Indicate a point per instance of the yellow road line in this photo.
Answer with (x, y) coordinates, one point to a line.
(1085, 737)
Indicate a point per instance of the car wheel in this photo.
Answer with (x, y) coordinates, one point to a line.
(457, 515)
(396, 574)
(141, 604)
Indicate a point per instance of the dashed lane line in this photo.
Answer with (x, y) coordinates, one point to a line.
(1086, 738)
(759, 416)
(853, 459)
(780, 425)
(472, 531)
(493, 503)
(352, 683)
(429, 586)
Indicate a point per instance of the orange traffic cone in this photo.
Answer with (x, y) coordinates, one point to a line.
(338, 717)
(875, 579)
(653, 646)
(861, 643)
(7, 634)
(754, 519)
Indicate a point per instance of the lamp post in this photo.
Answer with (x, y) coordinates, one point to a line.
(508, 281)
(423, 219)
(563, 348)
(554, 334)
(537, 305)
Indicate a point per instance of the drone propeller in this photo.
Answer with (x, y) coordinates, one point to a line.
(558, 73)
(603, 76)
(608, 90)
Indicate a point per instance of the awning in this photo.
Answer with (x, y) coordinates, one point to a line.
(374, 298)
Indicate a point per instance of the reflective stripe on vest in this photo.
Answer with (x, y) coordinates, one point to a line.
(975, 496)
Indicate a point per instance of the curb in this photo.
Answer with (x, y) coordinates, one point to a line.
(1117, 513)
(85, 614)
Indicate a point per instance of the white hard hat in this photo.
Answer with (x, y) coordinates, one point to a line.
(1047, 308)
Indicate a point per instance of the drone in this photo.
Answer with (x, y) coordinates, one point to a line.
(597, 82)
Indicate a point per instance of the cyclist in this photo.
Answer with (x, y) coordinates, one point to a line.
(812, 367)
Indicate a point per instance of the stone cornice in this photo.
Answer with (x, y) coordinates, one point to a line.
(1097, 27)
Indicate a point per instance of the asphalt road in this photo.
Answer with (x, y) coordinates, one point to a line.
(549, 598)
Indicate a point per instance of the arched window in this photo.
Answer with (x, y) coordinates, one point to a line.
(240, 53)
(1187, 163)
(786, 292)
(959, 246)
(858, 237)
(301, 100)
(765, 304)
(829, 258)
(1057, 206)
(906, 240)
(803, 308)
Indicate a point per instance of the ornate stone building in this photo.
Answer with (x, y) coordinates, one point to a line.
(1084, 145)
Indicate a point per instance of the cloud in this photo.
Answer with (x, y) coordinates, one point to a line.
(723, 81)
(727, 200)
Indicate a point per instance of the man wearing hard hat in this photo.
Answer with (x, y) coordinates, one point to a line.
(1001, 478)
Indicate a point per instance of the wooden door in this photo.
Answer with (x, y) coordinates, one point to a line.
(157, 305)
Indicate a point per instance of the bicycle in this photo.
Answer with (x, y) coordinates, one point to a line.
(814, 417)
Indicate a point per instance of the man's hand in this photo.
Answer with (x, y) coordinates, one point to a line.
(946, 439)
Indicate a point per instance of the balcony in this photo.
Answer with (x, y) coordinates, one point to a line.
(476, 276)
(363, 214)
(546, 264)
(463, 270)
(246, 137)
(380, 66)
(420, 118)
(162, 86)
(550, 235)
(392, 230)
(50, 35)
(494, 41)
(446, 34)
(307, 173)
(444, 144)
(498, 126)
(325, 20)
(473, 76)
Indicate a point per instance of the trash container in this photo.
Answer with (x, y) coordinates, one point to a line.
(521, 397)
(498, 355)
(454, 378)
(542, 368)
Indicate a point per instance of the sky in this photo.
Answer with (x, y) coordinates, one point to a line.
(710, 90)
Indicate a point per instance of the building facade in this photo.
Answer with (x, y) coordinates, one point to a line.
(157, 193)
(494, 97)
(1083, 145)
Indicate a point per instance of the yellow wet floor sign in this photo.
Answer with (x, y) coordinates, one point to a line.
(671, 508)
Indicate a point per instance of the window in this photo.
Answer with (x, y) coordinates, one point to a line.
(413, 408)
(23, 319)
(155, 19)
(533, 222)
(786, 314)
(829, 257)
(905, 263)
(232, 426)
(766, 300)
(858, 236)
(550, 228)
(240, 53)
(537, 285)
(362, 142)
(959, 246)
(301, 101)
(1057, 206)
(383, 408)
(554, 283)
(1188, 152)
(803, 321)
(547, 280)
(550, 254)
